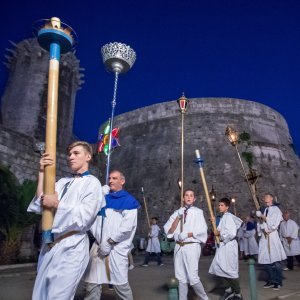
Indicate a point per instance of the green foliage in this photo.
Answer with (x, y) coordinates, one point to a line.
(245, 136)
(8, 199)
(248, 157)
(14, 200)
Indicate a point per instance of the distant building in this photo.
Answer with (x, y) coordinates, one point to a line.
(24, 104)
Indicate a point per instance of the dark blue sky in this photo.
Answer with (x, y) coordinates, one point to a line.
(248, 49)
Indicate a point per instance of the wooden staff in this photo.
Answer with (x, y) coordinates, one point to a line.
(199, 161)
(146, 209)
(56, 40)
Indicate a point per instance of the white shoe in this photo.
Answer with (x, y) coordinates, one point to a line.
(131, 267)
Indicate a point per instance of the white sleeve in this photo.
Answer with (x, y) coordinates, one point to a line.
(35, 206)
(128, 224)
(169, 223)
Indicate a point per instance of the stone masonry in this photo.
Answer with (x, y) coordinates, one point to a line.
(150, 154)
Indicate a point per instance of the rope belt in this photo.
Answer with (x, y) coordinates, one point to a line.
(181, 244)
(70, 233)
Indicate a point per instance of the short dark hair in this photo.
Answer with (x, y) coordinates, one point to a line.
(188, 190)
(154, 218)
(226, 201)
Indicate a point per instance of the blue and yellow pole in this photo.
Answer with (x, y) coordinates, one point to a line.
(57, 41)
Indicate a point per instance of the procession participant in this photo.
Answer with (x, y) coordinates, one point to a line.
(241, 240)
(76, 201)
(270, 249)
(251, 246)
(226, 261)
(113, 230)
(188, 244)
(153, 245)
(288, 233)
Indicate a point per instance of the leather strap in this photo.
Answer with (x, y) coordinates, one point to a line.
(70, 233)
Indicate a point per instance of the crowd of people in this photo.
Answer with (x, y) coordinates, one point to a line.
(109, 213)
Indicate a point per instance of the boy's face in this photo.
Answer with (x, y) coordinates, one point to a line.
(153, 221)
(78, 159)
(222, 207)
(189, 198)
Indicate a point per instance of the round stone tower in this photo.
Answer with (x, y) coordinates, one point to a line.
(23, 105)
(150, 154)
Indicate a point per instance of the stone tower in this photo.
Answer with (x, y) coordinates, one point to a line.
(150, 154)
(23, 105)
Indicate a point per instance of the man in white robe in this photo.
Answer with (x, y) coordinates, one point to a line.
(289, 235)
(270, 250)
(188, 245)
(153, 245)
(113, 230)
(77, 201)
(226, 261)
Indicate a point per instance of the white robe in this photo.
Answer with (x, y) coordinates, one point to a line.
(251, 246)
(270, 249)
(290, 228)
(186, 258)
(240, 236)
(120, 226)
(61, 268)
(226, 260)
(153, 241)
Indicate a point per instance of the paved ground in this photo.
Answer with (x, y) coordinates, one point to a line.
(150, 283)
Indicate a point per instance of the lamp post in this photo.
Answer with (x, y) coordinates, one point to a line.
(117, 58)
(233, 138)
(233, 201)
(57, 38)
(183, 104)
(213, 197)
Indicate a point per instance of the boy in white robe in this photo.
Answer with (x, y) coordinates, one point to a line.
(226, 261)
(270, 249)
(188, 244)
(77, 201)
(251, 246)
(288, 233)
(153, 245)
(113, 230)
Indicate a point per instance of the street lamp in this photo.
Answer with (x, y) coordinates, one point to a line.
(213, 197)
(233, 138)
(183, 104)
(179, 182)
(233, 201)
(117, 58)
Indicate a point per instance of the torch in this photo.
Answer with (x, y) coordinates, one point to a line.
(57, 38)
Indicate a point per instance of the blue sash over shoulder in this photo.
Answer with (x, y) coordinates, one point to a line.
(120, 200)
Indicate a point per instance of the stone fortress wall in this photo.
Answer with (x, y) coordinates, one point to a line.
(150, 154)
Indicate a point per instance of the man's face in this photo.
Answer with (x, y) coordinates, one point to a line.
(189, 198)
(116, 181)
(78, 159)
(268, 200)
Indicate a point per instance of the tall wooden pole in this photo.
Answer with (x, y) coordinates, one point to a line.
(56, 40)
(199, 161)
(146, 208)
